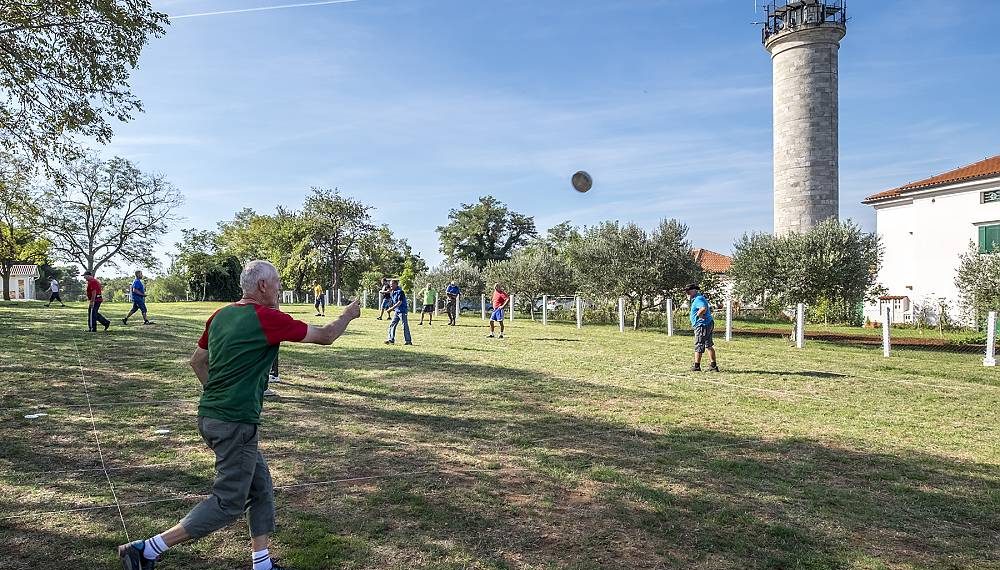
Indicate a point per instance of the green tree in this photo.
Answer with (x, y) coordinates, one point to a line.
(483, 232)
(64, 69)
(532, 272)
(756, 271)
(198, 259)
(468, 277)
(978, 280)
(616, 260)
(110, 212)
(21, 239)
(407, 278)
(338, 224)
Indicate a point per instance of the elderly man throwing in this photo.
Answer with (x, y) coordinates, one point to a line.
(232, 360)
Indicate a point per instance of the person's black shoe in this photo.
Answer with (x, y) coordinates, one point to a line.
(148, 323)
(132, 558)
(390, 342)
(125, 321)
(420, 324)
(408, 344)
(106, 326)
(318, 315)
(713, 367)
(696, 368)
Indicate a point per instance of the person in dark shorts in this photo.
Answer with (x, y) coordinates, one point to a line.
(430, 304)
(95, 296)
(320, 302)
(231, 361)
(704, 327)
(54, 289)
(138, 300)
(383, 298)
(452, 293)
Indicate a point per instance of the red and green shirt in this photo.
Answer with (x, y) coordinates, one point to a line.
(242, 342)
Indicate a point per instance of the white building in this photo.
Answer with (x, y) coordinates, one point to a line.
(22, 282)
(925, 226)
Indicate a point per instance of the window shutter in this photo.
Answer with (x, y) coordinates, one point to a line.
(992, 238)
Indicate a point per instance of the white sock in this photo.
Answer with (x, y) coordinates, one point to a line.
(154, 547)
(262, 560)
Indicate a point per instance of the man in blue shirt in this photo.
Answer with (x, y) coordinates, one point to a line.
(704, 326)
(452, 293)
(138, 300)
(398, 309)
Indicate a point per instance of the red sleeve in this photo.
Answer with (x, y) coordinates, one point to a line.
(203, 341)
(279, 327)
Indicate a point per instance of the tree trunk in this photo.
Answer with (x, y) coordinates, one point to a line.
(6, 282)
(638, 317)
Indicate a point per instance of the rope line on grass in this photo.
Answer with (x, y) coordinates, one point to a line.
(97, 438)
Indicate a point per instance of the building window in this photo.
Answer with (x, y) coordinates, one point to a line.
(991, 196)
(989, 239)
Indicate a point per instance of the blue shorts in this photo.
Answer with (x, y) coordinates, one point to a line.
(139, 304)
(497, 314)
(385, 303)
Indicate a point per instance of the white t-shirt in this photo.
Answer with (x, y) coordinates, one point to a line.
(54, 286)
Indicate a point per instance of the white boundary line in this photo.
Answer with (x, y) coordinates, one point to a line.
(97, 438)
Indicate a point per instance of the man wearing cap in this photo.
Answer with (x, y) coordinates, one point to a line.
(704, 326)
(452, 293)
(95, 296)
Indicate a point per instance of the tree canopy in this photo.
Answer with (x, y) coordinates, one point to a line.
(64, 70)
(21, 233)
(483, 232)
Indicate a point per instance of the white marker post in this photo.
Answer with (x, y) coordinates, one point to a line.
(991, 340)
(579, 313)
(338, 297)
(886, 341)
(413, 302)
(458, 307)
(621, 314)
(484, 307)
(545, 309)
(364, 299)
(510, 307)
(729, 319)
(670, 317)
(800, 326)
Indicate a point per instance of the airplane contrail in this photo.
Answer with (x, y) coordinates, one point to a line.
(261, 9)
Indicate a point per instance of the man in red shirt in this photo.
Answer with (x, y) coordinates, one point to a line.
(500, 300)
(95, 299)
(232, 361)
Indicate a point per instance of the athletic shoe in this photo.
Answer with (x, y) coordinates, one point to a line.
(390, 342)
(490, 335)
(106, 326)
(148, 322)
(269, 393)
(124, 321)
(501, 335)
(274, 379)
(713, 368)
(421, 324)
(317, 315)
(378, 318)
(132, 558)
(407, 344)
(696, 368)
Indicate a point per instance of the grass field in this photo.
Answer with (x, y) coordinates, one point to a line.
(552, 448)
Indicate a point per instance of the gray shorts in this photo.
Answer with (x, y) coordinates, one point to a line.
(242, 481)
(703, 337)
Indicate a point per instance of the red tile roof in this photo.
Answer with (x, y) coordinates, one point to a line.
(982, 169)
(712, 262)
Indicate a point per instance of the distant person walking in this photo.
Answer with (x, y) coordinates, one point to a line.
(94, 298)
(138, 300)
(398, 309)
(452, 293)
(500, 300)
(383, 298)
(231, 361)
(430, 305)
(54, 289)
(704, 327)
(320, 302)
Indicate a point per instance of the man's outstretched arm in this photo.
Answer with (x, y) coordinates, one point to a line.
(331, 332)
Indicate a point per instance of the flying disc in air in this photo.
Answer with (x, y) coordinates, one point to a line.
(582, 181)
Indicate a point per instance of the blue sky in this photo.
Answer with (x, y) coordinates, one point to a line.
(418, 106)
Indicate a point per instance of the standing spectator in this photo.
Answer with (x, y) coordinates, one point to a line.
(138, 300)
(398, 309)
(231, 362)
(320, 302)
(704, 326)
(452, 293)
(94, 297)
(383, 297)
(430, 304)
(54, 289)
(500, 300)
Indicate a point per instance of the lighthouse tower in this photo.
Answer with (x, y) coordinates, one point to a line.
(803, 38)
